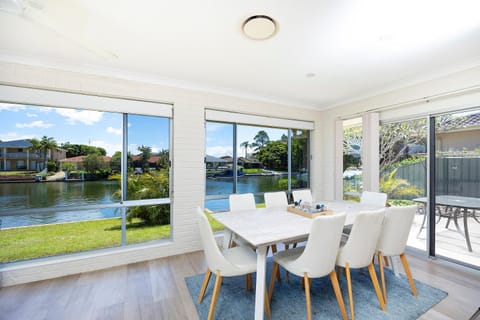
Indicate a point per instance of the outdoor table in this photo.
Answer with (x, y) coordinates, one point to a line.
(458, 202)
(264, 227)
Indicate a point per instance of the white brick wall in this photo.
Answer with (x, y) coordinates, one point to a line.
(187, 151)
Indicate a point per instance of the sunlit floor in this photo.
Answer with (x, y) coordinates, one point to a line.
(449, 242)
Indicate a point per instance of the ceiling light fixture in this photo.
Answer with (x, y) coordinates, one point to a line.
(259, 27)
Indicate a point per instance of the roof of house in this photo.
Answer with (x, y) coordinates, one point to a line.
(465, 122)
(209, 158)
(81, 158)
(23, 143)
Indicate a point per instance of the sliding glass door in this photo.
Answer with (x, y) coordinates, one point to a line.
(456, 228)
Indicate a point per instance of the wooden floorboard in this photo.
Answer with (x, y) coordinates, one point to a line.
(156, 290)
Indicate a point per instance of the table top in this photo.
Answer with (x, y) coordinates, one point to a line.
(262, 227)
(454, 201)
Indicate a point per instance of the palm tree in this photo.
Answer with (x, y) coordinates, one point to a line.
(261, 139)
(146, 153)
(42, 146)
(245, 144)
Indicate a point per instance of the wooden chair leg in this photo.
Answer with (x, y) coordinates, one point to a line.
(382, 276)
(274, 248)
(338, 294)
(267, 303)
(216, 291)
(306, 282)
(387, 262)
(349, 286)
(248, 281)
(272, 280)
(406, 267)
(206, 279)
(373, 276)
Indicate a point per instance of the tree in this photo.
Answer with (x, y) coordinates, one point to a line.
(92, 163)
(146, 153)
(395, 139)
(274, 155)
(245, 144)
(261, 139)
(42, 146)
(163, 159)
(75, 150)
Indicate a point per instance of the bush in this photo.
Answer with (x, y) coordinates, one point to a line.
(398, 188)
(52, 166)
(153, 185)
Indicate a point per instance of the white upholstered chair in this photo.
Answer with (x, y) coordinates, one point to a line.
(239, 202)
(316, 259)
(360, 249)
(276, 200)
(377, 199)
(304, 195)
(231, 262)
(393, 240)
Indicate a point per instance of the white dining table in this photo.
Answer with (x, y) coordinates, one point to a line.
(264, 227)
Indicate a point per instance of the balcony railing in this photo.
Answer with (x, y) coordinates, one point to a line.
(21, 155)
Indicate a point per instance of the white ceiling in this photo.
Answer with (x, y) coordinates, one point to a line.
(355, 49)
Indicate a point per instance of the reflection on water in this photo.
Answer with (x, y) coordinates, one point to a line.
(55, 194)
(245, 184)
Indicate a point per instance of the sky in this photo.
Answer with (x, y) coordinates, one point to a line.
(95, 128)
(219, 138)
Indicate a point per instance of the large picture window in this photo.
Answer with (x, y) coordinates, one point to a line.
(249, 158)
(73, 180)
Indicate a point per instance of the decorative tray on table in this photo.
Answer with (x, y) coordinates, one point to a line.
(309, 211)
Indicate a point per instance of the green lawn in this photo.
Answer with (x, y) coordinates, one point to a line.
(55, 239)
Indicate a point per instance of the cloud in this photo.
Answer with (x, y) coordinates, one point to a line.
(11, 107)
(86, 117)
(8, 136)
(219, 151)
(114, 131)
(32, 115)
(111, 148)
(34, 124)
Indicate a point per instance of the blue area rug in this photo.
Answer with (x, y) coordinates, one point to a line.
(288, 300)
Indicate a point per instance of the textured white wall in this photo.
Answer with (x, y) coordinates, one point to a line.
(188, 152)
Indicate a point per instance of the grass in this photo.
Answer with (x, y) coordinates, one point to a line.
(251, 171)
(56, 239)
(17, 173)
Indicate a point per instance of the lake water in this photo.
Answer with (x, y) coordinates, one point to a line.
(55, 194)
(62, 194)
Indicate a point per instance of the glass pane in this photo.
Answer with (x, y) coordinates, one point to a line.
(263, 158)
(71, 149)
(300, 159)
(138, 230)
(42, 237)
(403, 174)
(218, 164)
(148, 177)
(457, 187)
(352, 159)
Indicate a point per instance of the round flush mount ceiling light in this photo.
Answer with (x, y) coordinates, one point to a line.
(259, 27)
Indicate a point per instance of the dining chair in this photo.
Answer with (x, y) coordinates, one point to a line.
(304, 195)
(369, 198)
(316, 259)
(239, 202)
(276, 200)
(393, 240)
(229, 263)
(359, 250)
(377, 199)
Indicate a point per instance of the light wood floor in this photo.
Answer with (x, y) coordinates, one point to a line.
(156, 290)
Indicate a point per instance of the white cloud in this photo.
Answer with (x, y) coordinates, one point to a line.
(86, 117)
(34, 124)
(109, 147)
(219, 151)
(114, 131)
(8, 136)
(11, 107)
(32, 115)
